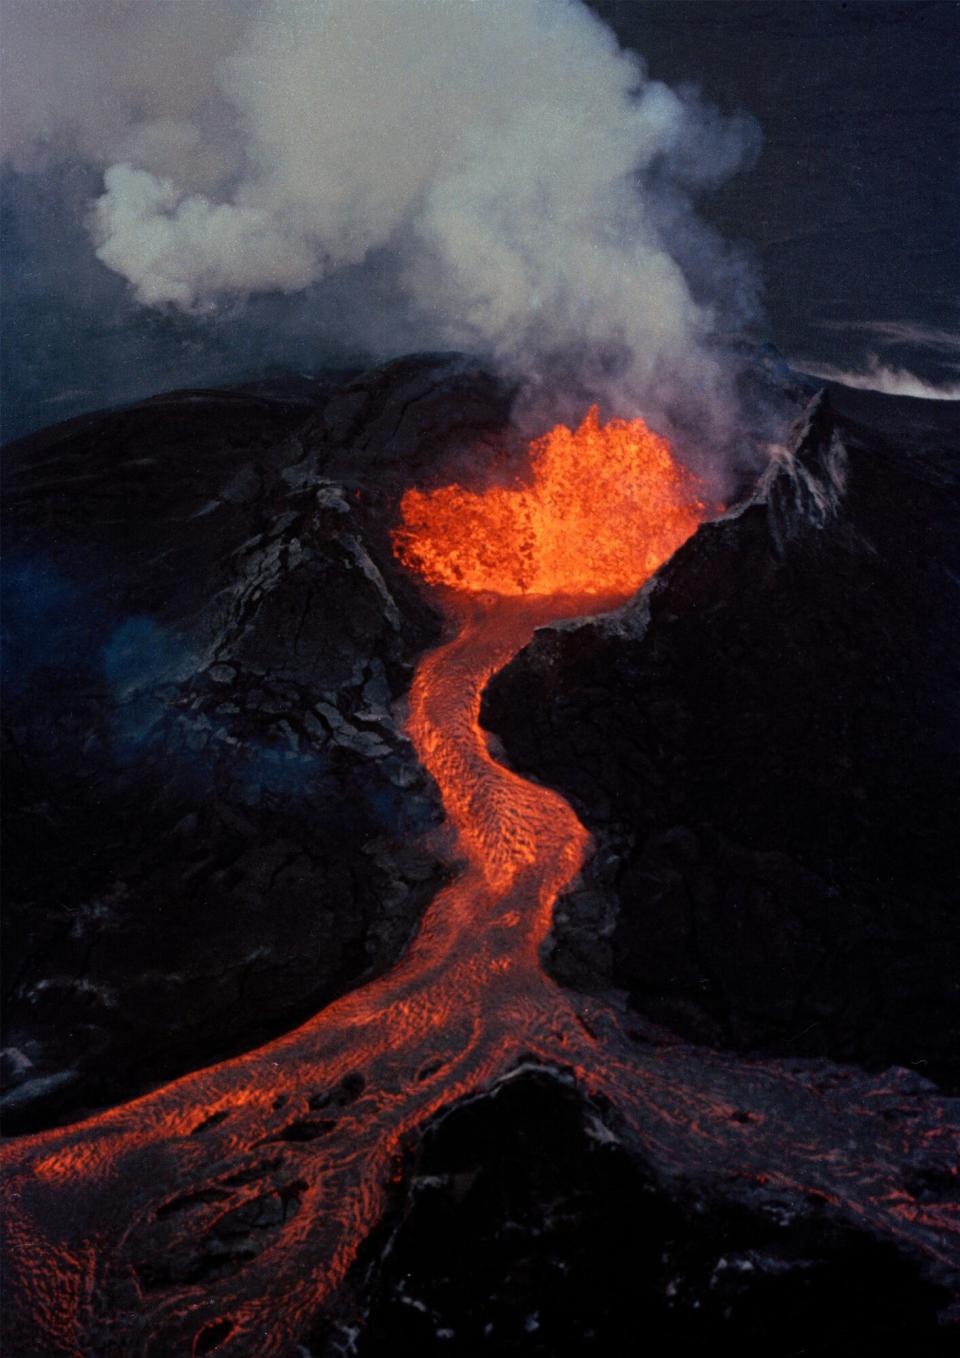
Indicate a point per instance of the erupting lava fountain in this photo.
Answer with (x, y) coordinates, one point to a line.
(606, 505)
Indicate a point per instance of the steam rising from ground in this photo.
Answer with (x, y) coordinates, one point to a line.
(892, 378)
(514, 175)
(883, 377)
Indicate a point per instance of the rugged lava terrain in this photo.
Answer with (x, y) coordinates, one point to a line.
(761, 745)
(216, 825)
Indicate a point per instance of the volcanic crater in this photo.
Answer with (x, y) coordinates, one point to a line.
(256, 790)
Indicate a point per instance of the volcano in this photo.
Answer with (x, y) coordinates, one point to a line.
(568, 802)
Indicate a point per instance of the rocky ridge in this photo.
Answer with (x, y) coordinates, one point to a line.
(759, 743)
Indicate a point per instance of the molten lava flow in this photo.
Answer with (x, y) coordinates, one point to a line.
(215, 1215)
(605, 506)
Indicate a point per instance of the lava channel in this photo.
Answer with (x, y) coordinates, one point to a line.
(220, 1213)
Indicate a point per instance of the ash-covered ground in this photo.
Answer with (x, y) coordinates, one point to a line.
(215, 823)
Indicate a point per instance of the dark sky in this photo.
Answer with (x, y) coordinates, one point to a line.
(854, 205)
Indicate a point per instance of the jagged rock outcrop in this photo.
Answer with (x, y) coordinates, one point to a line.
(528, 1230)
(217, 824)
(760, 744)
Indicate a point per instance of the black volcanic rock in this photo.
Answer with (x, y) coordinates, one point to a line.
(764, 745)
(216, 824)
(528, 1230)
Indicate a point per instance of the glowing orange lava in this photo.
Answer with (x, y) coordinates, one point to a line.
(215, 1215)
(605, 506)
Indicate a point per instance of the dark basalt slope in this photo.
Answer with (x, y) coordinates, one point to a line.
(214, 821)
(527, 1230)
(764, 745)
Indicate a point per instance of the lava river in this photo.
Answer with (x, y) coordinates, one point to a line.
(219, 1214)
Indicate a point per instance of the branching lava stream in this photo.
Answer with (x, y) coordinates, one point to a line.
(218, 1214)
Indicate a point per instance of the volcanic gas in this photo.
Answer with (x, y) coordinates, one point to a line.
(217, 1214)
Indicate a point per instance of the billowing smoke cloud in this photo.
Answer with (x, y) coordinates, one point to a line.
(523, 186)
(107, 80)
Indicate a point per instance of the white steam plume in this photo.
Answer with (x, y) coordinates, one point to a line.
(529, 184)
(884, 378)
(108, 80)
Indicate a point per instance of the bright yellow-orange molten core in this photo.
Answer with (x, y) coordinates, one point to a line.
(606, 506)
